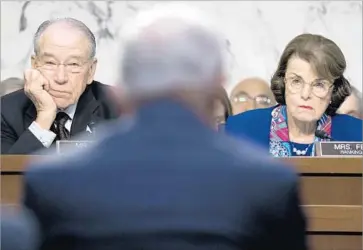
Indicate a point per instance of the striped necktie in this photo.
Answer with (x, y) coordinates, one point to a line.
(60, 129)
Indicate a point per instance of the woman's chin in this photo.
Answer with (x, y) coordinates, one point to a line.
(303, 117)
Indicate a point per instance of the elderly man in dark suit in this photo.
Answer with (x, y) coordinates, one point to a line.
(60, 98)
(168, 181)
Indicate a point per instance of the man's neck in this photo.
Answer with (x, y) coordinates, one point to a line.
(70, 110)
(197, 102)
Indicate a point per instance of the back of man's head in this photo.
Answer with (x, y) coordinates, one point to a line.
(170, 48)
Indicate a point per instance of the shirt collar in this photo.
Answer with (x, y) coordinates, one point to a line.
(70, 111)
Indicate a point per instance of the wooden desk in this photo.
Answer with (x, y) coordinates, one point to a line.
(331, 193)
(332, 197)
(12, 167)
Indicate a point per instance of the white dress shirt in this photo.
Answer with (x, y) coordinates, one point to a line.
(46, 137)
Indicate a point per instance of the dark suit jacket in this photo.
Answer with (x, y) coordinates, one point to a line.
(19, 230)
(167, 182)
(18, 112)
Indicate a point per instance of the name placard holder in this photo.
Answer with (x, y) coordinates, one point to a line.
(63, 146)
(338, 149)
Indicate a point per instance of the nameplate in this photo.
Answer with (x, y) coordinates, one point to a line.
(70, 146)
(340, 149)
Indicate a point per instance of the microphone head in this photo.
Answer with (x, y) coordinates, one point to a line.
(322, 135)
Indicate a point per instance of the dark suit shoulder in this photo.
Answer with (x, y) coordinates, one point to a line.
(253, 158)
(44, 174)
(19, 231)
(102, 94)
(73, 160)
(273, 194)
(264, 181)
(13, 100)
(101, 91)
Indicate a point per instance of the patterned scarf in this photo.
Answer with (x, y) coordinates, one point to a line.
(279, 133)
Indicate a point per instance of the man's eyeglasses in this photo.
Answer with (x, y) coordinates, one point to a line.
(243, 98)
(73, 67)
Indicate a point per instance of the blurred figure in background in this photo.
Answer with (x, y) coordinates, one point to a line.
(169, 182)
(309, 86)
(251, 93)
(19, 229)
(10, 85)
(222, 109)
(353, 104)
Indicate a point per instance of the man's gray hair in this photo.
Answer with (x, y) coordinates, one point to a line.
(170, 47)
(74, 23)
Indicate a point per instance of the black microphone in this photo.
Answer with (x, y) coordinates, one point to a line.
(322, 135)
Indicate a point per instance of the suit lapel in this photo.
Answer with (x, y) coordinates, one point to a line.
(85, 112)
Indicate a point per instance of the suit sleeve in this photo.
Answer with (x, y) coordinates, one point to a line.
(289, 223)
(295, 222)
(33, 202)
(26, 143)
(19, 231)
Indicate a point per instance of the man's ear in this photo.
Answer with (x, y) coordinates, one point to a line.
(222, 79)
(92, 71)
(33, 62)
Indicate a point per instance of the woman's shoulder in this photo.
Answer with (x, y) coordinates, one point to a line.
(252, 115)
(346, 128)
(253, 125)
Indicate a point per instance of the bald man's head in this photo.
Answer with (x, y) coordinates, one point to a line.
(165, 50)
(251, 93)
(61, 27)
(352, 105)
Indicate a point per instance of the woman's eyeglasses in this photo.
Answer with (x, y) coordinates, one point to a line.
(319, 88)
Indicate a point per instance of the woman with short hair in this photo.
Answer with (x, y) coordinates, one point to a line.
(309, 86)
